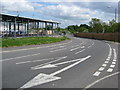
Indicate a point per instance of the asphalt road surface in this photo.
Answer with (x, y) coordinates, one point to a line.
(77, 63)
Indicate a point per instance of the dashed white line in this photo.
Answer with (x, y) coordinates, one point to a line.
(101, 68)
(91, 45)
(104, 65)
(75, 48)
(20, 57)
(57, 47)
(34, 48)
(58, 50)
(35, 61)
(110, 70)
(97, 73)
(113, 62)
(106, 61)
(80, 51)
(112, 66)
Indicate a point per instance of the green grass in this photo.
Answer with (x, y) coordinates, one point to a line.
(10, 42)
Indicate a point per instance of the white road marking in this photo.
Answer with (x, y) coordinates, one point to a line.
(101, 68)
(45, 66)
(97, 73)
(104, 65)
(57, 47)
(34, 48)
(109, 57)
(113, 62)
(110, 70)
(75, 48)
(44, 78)
(70, 66)
(97, 81)
(48, 62)
(106, 61)
(91, 45)
(36, 60)
(39, 79)
(55, 65)
(112, 66)
(58, 50)
(115, 54)
(20, 57)
(80, 51)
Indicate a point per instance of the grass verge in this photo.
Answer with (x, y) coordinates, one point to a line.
(10, 42)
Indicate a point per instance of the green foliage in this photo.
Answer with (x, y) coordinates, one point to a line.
(95, 26)
(9, 42)
(61, 30)
(75, 28)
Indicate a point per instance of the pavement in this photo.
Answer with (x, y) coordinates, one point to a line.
(78, 63)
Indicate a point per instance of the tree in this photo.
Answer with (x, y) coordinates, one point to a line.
(96, 25)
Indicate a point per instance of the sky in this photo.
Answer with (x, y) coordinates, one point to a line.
(67, 12)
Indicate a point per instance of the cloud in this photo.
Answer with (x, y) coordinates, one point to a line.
(69, 13)
(16, 5)
(74, 0)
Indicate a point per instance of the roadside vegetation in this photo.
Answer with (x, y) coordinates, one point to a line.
(97, 29)
(10, 42)
(95, 26)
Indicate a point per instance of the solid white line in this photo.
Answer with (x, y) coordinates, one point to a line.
(20, 57)
(33, 68)
(34, 48)
(110, 70)
(70, 66)
(58, 50)
(97, 73)
(90, 85)
(112, 66)
(101, 68)
(80, 51)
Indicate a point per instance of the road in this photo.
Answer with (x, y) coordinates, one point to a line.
(77, 63)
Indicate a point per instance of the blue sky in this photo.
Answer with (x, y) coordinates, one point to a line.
(69, 12)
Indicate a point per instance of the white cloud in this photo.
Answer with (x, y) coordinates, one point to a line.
(69, 13)
(16, 5)
(75, 0)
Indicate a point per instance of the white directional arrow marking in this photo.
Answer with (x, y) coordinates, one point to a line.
(48, 62)
(44, 78)
(55, 65)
